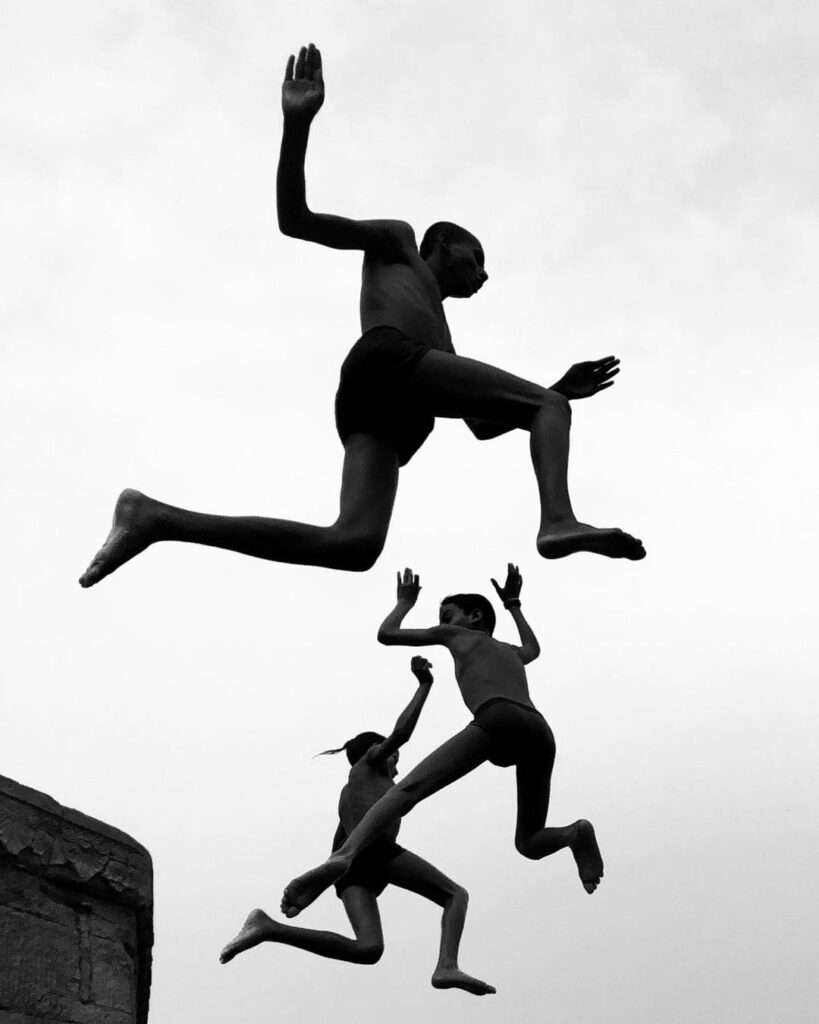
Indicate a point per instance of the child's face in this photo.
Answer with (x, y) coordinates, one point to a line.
(465, 272)
(452, 615)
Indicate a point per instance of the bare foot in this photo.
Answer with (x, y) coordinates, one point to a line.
(257, 928)
(451, 977)
(561, 539)
(132, 531)
(301, 892)
(587, 855)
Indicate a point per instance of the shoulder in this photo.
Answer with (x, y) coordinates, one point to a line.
(397, 229)
(458, 637)
(444, 633)
(393, 236)
(371, 761)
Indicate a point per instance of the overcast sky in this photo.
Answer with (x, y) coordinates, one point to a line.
(643, 178)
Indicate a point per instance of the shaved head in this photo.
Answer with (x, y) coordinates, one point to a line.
(445, 228)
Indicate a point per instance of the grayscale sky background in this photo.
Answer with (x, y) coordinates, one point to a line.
(643, 177)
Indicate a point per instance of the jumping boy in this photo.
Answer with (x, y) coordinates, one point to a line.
(506, 729)
(400, 375)
(374, 762)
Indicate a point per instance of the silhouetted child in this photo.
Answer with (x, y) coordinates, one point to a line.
(373, 759)
(401, 374)
(506, 729)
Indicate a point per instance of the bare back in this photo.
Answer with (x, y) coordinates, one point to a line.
(486, 668)
(366, 784)
(398, 290)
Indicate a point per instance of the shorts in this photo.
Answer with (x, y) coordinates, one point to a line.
(373, 395)
(371, 867)
(517, 731)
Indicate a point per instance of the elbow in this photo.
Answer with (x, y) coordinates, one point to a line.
(290, 227)
(293, 221)
(385, 637)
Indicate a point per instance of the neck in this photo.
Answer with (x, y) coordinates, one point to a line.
(436, 269)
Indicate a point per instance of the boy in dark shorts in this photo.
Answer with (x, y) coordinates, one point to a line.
(399, 376)
(506, 729)
(373, 759)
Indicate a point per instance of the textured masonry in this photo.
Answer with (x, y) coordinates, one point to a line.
(76, 916)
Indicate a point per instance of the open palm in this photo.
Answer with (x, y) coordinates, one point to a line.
(303, 86)
(585, 379)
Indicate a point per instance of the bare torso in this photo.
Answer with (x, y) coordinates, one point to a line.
(399, 290)
(487, 668)
(366, 785)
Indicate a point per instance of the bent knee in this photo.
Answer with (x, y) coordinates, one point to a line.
(370, 952)
(524, 847)
(554, 400)
(460, 896)
(356, 550)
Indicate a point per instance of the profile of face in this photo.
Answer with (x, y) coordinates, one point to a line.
(392, 765)
(452, 615)
(462, 260)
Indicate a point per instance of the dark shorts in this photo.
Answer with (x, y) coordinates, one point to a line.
(371, 867)
(518, 733)
(373, 396)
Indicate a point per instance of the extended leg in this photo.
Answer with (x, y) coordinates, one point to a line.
(535, 841)
(354, 541)
(417, 875)
(450, 762)
(461, 388)
(362, 910)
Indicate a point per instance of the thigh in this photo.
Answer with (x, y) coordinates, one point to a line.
(455, 758)
(413, 873)
(456, 387)
(369, 482)
(362, 910)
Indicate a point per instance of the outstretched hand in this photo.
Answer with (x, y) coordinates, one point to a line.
(303, 86)
(585, 379)
(408, 587)
(510, 591)
(421, 669)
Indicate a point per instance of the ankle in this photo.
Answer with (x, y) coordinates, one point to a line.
(555, 520)
(447, 965)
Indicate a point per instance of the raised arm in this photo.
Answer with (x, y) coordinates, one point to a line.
(509, 593)
(408, 719)
(302, 97)
(391, 632)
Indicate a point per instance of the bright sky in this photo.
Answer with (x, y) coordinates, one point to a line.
(643, 179)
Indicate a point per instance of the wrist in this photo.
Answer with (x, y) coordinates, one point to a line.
(297, 124)
(512, 602)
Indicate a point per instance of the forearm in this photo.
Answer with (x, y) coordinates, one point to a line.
(390, 628)
(408, 719)
(525, 631)
(291, 195)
